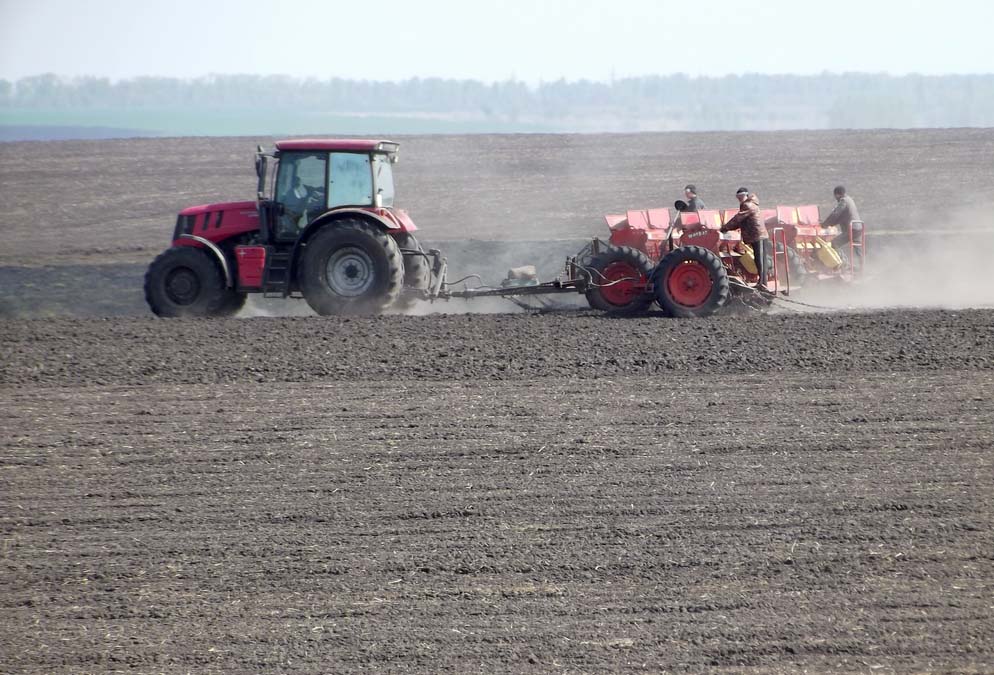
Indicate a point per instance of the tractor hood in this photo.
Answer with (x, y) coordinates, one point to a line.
(217, 222)
(226, 207)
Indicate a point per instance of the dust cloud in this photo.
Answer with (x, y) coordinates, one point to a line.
(490, 261)
(941, 269)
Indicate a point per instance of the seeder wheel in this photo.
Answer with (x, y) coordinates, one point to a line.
(618, 280)
(690, 281)
(798, 270)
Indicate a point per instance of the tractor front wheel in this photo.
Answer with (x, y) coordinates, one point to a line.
(231, 304)
(351, 267)
(185, 281)
(618, 281)
(690, 281)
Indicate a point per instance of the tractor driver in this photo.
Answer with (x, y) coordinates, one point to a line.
(303, 202)
(749, 219)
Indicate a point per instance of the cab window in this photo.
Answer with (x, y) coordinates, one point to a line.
(383, 174)
(350, 180)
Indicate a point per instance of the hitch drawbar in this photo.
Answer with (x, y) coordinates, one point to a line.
(441, 287)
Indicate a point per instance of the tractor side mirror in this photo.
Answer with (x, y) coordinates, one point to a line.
(260, 171)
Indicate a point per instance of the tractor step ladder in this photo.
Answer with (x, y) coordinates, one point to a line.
(276, 282)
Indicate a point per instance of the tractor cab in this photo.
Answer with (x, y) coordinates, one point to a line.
(303, 180)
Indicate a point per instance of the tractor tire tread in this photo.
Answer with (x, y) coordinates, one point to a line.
(232, 303)
(417, 271)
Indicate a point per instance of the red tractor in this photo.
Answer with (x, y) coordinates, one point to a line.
(323, 227)
(691, 269)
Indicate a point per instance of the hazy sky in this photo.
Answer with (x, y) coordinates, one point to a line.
(528, 40)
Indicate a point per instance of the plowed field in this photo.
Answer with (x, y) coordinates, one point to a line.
(561, 492)
(565, 493)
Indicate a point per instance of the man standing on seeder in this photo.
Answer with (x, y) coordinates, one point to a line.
(749, 219)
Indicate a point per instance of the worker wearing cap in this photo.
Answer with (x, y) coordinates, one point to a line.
(694, 203)
(749, 220)
(843, 215)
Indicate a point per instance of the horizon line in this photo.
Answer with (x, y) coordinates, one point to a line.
(512, 79)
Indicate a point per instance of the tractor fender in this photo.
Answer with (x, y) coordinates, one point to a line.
(222, 260)
(329, 218)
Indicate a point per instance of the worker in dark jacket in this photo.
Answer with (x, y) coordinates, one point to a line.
(842, 215)
(749, 220)
(694, 203)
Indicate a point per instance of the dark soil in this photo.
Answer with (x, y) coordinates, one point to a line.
(450, 348)
(498, 493)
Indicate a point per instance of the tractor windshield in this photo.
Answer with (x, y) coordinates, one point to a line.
(383, 179)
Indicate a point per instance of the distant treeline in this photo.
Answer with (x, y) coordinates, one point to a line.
(630, 104)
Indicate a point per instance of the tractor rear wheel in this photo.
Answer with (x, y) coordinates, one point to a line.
(618, 281)
(417, 269)
(690, 281)
(184, 281)
(351, 267)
